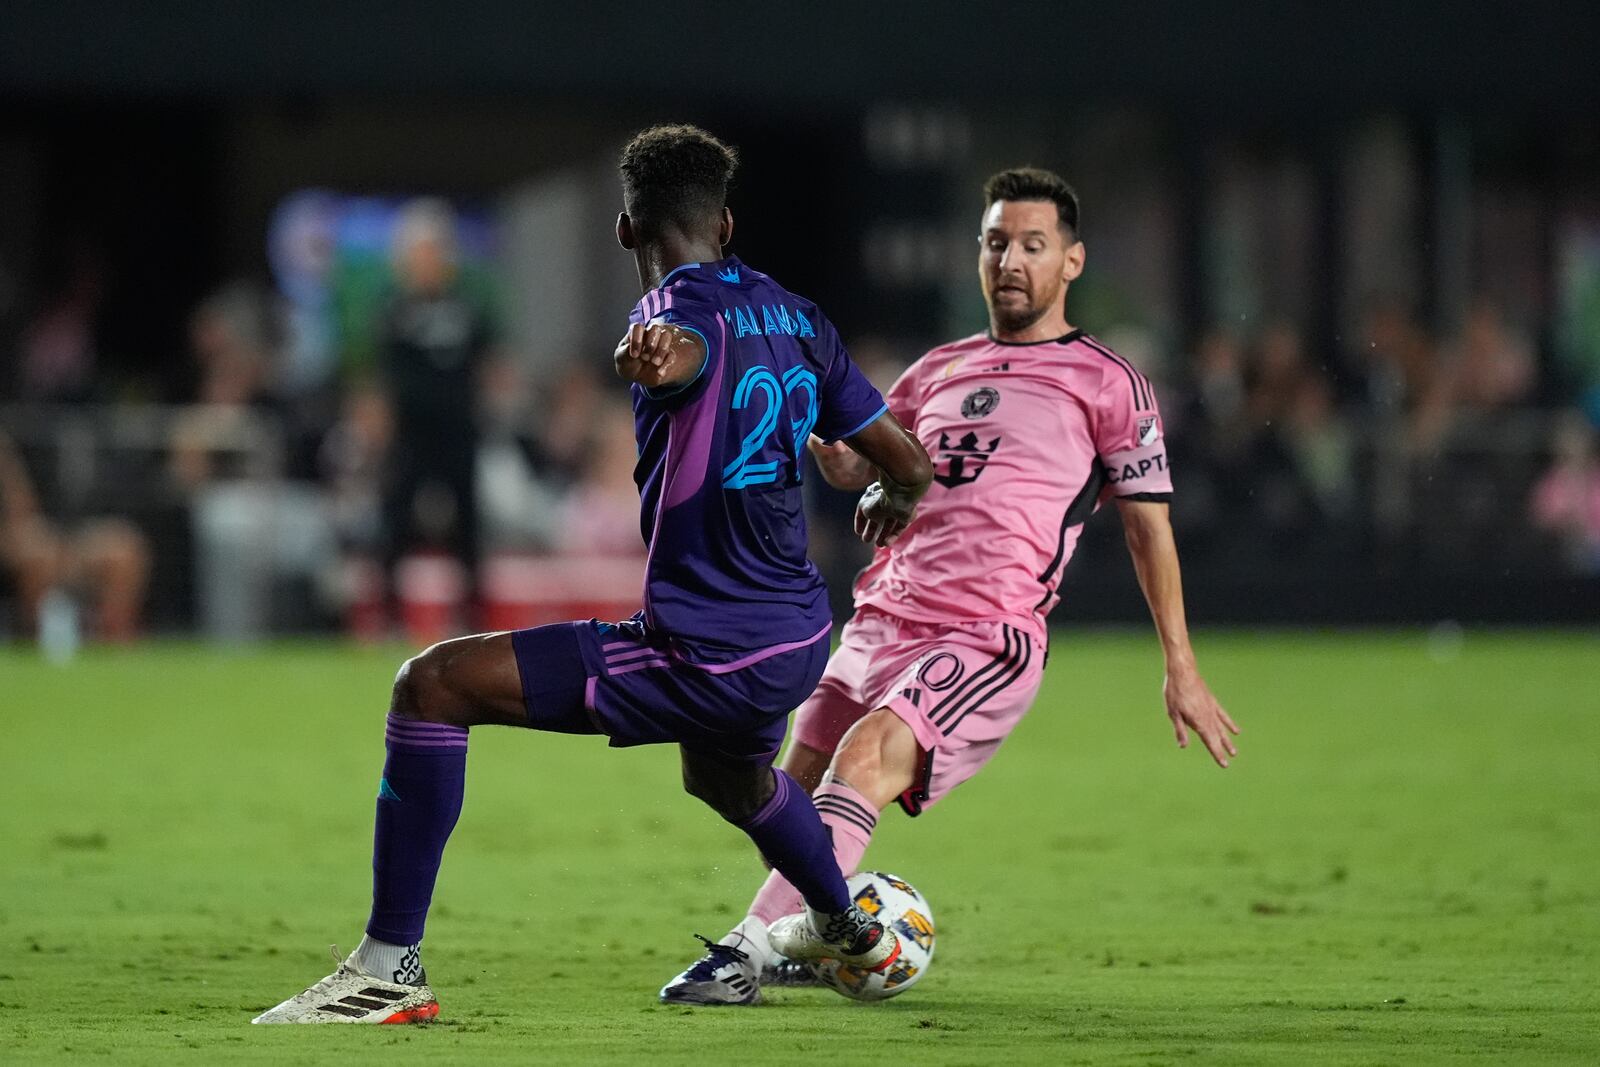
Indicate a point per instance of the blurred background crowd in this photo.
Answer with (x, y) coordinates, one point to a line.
(326, 354)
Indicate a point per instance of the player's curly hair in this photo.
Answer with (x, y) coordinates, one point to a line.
(675, 176)
(1035, 183)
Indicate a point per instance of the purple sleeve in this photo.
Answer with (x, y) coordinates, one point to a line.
(709, 327)
(848, 402)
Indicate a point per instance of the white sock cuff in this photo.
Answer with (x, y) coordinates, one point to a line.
(750, 935)
(391, 963)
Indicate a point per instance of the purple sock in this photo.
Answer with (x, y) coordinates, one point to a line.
(789, 832)
(419, 800)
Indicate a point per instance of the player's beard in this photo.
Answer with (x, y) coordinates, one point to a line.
(1015, 320)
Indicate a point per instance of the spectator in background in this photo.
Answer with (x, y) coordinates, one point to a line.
(1293, 401)
(1218, 405)
(1276, 374)
(600, 515)
(258, 534)
(105, 563)
(1566, 500)
(433, 343)
(571, 402)
(1280, 495)
(1216, 442)
(350, 462)
(519, 490)
(1402, 372)
(231, 339)
(1494, 367)
(58, 349)
(1323, 448)
(1268, 445)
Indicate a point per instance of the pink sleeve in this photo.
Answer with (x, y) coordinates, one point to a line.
(1128, 436)
(903, 396)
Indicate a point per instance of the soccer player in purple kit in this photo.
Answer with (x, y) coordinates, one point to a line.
(731, 374)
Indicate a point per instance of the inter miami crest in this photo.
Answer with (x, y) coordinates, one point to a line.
(980, 402)
(963, 461)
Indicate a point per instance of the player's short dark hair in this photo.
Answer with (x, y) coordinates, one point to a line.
(1035, 183)
(675, 176)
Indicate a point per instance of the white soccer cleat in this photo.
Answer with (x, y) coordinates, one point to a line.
(350, 996)
(725, 976)
(852, 937)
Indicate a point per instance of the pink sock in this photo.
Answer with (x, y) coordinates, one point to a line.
(850, 820)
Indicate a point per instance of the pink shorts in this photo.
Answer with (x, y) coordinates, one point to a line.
(961, 687)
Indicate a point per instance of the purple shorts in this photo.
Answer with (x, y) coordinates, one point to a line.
(610, 678)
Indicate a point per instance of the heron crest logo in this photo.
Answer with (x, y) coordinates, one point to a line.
(980, 402)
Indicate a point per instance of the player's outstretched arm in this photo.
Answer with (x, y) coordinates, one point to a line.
(1190, 704)
(660, 355)
(904, 473)
(842, 466)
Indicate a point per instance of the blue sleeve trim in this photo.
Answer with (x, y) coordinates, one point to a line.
(851, 433)
(662, 394)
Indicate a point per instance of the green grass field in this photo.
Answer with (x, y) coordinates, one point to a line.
(1403, 866)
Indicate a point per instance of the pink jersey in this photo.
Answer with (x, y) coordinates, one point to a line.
(1027, 440)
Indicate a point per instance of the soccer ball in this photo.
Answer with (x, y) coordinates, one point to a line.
(893, 901)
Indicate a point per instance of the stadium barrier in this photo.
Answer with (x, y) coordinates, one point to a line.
(1436, 532)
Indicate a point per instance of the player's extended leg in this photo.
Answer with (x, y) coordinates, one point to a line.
(806, 765)
(775, 812)
(876, 761)
(785, 825)
(437, 696)
(879, 752)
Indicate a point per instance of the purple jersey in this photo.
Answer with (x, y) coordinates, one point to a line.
(727, 580)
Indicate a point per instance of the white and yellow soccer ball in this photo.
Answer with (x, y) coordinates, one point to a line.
(891, 900)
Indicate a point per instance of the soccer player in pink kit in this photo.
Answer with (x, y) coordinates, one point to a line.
(1031, 426)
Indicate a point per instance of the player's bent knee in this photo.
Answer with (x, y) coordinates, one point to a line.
(405, 699)
(859, 759)
(702, 787)
(877, 758)
(422, 690)
(736, 797)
